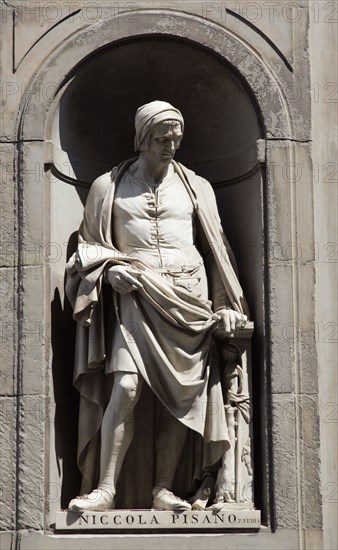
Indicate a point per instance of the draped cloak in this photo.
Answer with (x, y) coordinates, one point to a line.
(169, 332)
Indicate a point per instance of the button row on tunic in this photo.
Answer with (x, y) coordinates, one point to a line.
(152, 207)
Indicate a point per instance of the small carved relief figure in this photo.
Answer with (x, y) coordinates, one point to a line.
(151, 240)
(232, 484)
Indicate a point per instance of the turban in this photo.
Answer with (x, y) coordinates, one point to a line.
(150, 114)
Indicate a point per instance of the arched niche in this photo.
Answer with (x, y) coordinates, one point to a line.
(240, 195)
(94, 126)
(93, 130)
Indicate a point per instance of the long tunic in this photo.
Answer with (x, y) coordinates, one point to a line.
(156, 225)
(164, 330)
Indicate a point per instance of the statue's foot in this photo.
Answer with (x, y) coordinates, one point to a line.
(166, 500)
(99, 499)
(223, 497)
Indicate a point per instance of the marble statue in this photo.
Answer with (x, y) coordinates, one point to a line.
(151, 236)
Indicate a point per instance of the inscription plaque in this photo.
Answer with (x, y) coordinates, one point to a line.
(118, 520)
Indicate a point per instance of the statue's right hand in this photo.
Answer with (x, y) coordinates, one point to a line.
(123, 279)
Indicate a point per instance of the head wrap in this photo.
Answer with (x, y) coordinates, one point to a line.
(150, 114)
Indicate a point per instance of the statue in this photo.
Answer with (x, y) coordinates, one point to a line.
(151, 240)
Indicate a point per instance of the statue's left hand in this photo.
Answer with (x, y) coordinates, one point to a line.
(231, 320)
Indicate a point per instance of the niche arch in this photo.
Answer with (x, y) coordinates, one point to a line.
(93, 131)
(66, 198)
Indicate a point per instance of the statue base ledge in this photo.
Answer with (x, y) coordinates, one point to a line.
(229, 518)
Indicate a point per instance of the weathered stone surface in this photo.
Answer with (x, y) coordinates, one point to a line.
(8, 330)
(297, 86)
(323, 37)
(284, 538)
(290, 203)
(33, 242)
(8, 252)
(313, 539)
(7, 540)
(308, 332)
(34, 331)
(310, 474)
(54, 22)
(31, 486)
(43, 18)
(284, 331)
(107, 31)
(280, 176)
(285, 473)
(291, 248)
(10, 88)
(302, 188)
(276, 20)
(7, 462)
(293, 329)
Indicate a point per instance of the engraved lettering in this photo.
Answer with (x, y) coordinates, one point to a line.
(206, 520)
(104, 517)
(194, 518)
(154, 520)
(185, 519)
(140, 520)
(130, 520)
(83, 519)
(175, 517)
(116, 518)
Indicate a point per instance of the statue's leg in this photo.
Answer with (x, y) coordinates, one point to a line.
(169, 446)
(118, 428)
(116, 434)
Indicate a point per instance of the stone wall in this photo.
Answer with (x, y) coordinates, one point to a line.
(282, 55)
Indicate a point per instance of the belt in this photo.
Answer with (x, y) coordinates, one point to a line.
(178, 270)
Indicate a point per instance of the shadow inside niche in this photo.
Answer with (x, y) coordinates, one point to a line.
(65, 395)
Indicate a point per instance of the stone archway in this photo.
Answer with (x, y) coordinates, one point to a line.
(36, 124)
(249, 66)
(92, 131)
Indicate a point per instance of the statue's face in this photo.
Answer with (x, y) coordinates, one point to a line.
(163, 142)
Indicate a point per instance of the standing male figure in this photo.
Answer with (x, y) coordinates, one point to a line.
(151, 231)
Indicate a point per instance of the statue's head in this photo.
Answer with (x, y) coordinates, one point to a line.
(159, 129)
